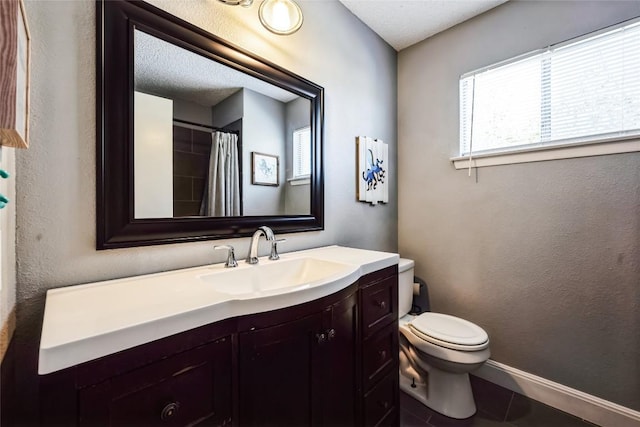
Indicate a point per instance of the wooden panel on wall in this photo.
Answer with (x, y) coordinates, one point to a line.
(14, 74)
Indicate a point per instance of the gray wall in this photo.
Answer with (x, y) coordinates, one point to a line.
(545, 256)
(262, 132)
(228, 110)
(56, 175)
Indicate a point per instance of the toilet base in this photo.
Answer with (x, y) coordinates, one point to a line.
(446, 393)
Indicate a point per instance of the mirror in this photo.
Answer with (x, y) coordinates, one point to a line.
(198, 139)
(197, 123)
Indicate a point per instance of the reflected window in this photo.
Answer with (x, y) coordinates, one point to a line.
(302, 153)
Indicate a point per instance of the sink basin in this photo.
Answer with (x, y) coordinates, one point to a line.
(276, 277)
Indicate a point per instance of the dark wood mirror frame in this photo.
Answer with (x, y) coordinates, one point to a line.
(116, 225)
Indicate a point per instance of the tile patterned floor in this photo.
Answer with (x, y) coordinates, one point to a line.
(497, 407)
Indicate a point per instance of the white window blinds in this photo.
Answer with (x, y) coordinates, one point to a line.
(582, 90)
(301, 153)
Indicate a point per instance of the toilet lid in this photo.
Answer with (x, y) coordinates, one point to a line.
(450, 331)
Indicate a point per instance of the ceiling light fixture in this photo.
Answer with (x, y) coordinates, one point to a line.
(243, 3)
(282, 17)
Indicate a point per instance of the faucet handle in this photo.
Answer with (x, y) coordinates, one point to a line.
(231, 256)
(274, 249)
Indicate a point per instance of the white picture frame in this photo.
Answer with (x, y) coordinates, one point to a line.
(372, 170)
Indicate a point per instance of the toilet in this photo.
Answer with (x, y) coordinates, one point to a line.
(437, 352)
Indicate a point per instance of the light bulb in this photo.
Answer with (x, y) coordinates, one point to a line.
(280, 16)
(281, 19)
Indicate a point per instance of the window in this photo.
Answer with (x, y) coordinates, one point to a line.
(301, 153)
(583, 91)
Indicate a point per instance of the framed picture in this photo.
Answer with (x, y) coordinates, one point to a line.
(14, 75)
(372, 170)
(264, 169)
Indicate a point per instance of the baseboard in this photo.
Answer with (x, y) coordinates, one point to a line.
(566, 399)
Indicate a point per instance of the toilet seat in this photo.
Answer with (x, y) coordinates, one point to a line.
(449, 332)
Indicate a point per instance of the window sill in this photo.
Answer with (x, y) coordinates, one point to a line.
(541, 154)
(299, 181)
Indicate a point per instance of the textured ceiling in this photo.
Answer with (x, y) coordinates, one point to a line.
(167, 70)
(402, 23)
(164, 69)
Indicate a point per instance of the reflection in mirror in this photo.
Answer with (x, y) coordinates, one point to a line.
(197, 123)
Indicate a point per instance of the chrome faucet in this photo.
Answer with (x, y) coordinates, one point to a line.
(252, 258)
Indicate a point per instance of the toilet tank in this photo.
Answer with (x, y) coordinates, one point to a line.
(405, 286)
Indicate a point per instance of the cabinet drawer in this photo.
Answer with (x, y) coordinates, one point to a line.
(379, 305)
(187, 389)
(380, 403)
(380, 353)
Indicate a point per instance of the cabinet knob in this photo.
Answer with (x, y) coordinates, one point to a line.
(169, 411)
(384, 404)
(321, 338)
(383, 354)
(331, 334)
(381, 304)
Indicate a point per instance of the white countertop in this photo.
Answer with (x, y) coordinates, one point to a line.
(85, 322)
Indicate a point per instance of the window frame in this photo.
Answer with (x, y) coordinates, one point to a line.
(304, 178)
(593, 145)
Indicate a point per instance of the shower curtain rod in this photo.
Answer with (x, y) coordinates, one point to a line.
(213, 128)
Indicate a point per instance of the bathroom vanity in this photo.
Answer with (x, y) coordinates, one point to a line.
(325, 353)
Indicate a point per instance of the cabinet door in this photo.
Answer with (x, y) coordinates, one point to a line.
(191, 388)
(380, 354)
(280, 374)
(381, 403)
(339, 363)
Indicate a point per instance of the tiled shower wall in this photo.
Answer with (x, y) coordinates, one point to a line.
(191, 151)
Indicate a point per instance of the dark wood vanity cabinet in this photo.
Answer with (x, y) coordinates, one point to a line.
(328, 362)
(191, 388)
(302, 372)
(380, 351)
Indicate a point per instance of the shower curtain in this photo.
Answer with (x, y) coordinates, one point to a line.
(222, 188)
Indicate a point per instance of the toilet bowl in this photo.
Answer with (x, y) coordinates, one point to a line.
(437, 352)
